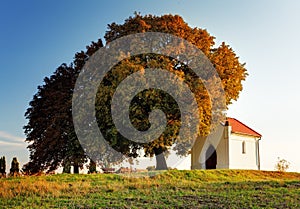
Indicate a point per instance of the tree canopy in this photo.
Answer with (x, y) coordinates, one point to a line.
(223, 58)
(50, 130)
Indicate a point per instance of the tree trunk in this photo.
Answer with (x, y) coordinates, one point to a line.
(161, 163)
(76, 168)
(67, 167)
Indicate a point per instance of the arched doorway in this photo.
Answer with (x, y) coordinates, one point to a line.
(211, 158)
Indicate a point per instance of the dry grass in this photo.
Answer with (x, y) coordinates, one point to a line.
(25, 187)
(193, 189)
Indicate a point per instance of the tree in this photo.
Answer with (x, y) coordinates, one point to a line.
(230, 70)
(2, 167)
(50, 129)
(282, 165)
(15, 168)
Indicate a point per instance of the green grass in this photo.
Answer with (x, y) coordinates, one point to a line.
(172, 189)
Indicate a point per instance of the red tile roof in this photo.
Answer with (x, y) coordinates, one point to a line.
(240, 128)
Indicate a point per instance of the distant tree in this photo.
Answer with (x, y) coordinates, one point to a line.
(15, 167)
(282, 165)
(2, 167)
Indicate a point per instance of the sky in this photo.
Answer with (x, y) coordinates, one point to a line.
(37, 36)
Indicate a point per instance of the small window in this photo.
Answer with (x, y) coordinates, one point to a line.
(244, 147)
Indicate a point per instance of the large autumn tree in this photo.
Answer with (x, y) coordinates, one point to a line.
(50, 130)
(223, 58)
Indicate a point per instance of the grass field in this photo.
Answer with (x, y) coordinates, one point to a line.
(171, 189)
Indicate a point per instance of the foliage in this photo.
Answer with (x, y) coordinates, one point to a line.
(2, 167)
(282, 165)
(50, 129)
(172, 189)
(227, 64)
(230, 70)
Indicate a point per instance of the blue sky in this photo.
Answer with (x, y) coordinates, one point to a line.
(37, 36)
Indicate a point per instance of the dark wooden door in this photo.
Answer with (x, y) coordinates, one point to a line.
(211, 156)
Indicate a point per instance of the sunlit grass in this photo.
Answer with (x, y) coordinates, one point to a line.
(189, 189)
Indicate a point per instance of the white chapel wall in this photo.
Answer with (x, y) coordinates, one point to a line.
(238, 159)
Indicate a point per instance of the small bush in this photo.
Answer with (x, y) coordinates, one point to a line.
(151, 168)
(282, 165)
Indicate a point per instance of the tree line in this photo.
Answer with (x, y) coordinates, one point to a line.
(14, 169)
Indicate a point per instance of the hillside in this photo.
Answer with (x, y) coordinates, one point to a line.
(172, 189)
